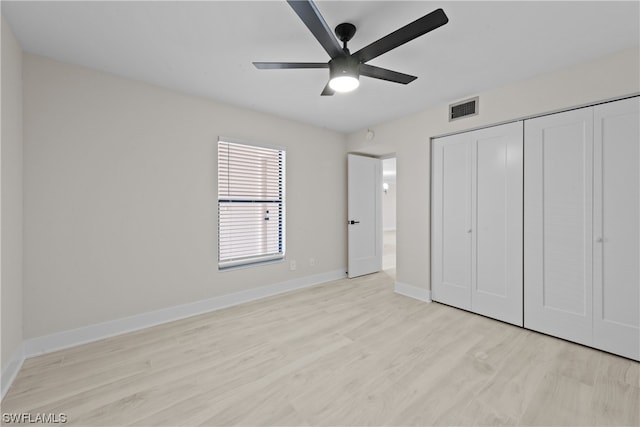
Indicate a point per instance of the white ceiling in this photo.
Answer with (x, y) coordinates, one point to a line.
(206, 48)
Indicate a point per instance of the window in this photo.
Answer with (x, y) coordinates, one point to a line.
(251, 184)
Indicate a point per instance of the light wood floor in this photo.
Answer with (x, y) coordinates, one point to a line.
(349, 352)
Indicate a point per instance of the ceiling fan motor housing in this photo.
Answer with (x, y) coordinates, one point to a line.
(344, 66)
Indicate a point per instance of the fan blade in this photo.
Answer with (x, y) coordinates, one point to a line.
(308, 12)
(419, 27)
(289, 65)
(327, 91)
(384, 74)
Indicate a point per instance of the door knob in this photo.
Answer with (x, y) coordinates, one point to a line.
(469, 230)
(353, 222)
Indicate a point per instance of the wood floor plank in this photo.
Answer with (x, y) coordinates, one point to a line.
(349, 352)
(562, 401)
(516, 379)
(613, 400)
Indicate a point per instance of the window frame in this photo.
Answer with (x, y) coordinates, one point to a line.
(250, 261)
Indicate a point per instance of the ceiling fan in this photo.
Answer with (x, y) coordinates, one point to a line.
(344, 67)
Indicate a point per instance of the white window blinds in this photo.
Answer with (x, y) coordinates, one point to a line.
(251, 183)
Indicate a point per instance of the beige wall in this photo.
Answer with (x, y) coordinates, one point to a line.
(11, 208)
(120, 197)
(602, 79)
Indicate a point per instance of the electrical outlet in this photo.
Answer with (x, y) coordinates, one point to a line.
(292, 265)
(312, 262)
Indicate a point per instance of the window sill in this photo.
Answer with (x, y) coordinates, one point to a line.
(232, 267)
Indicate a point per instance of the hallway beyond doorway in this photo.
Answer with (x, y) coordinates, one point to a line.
(389, 253)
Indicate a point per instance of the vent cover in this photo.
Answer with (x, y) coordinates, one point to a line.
(466, 108)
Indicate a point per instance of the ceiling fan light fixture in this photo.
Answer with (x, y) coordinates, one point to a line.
(344, 75)
(344, 83)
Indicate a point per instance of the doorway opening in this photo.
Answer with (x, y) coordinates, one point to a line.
(389, 216)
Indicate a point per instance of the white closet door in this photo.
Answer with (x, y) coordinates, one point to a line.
(477, 221)
(496, 289)
(558, 239)
(451, 221)
(616, 300)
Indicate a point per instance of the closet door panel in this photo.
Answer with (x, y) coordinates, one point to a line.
(451, 222)
(558, 224)
(617, 227)
(497, 236)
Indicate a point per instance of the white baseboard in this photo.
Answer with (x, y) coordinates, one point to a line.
(10, 373)
(71, 338)
(411, 291)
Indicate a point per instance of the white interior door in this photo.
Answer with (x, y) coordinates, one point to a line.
(496, 242)
(616, 281)
(451, 221)
(364, 215)
(558, 238)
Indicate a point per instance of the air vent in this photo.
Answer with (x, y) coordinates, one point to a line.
(466, 108)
